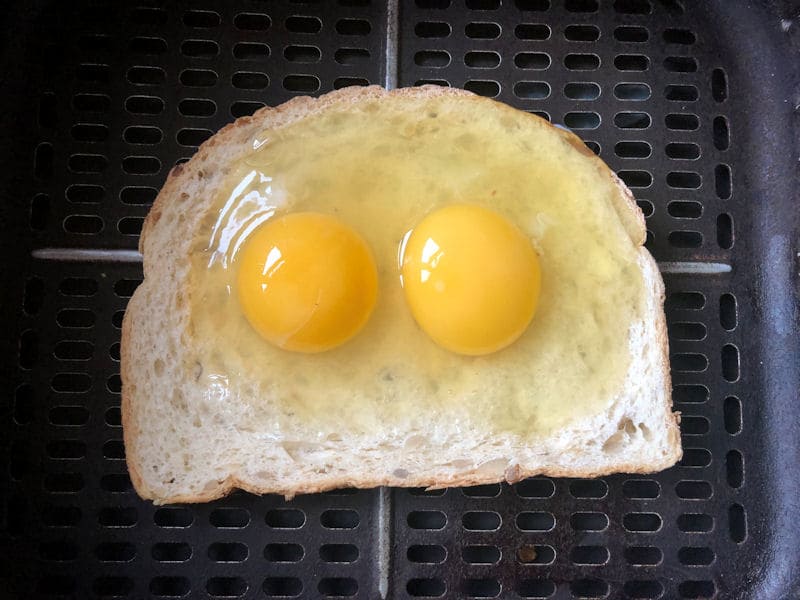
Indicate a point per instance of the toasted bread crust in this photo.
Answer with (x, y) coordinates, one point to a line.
(296, 109)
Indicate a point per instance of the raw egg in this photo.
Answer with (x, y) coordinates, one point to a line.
(518, 277)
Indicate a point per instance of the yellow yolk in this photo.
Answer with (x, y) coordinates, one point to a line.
(306, 282)
(471, 279)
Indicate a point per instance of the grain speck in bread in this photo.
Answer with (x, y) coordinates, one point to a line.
(176, 453)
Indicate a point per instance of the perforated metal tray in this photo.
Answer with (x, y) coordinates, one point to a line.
(693, 103)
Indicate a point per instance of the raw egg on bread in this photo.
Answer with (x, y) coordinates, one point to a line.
(508, 301)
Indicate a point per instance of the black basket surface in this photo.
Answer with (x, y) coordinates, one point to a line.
(694, 104)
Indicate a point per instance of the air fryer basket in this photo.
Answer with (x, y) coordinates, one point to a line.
(693, 103)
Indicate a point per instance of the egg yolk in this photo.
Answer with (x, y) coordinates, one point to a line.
(306, 282)
(471, 279)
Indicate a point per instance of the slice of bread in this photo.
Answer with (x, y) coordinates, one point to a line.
(175, 456)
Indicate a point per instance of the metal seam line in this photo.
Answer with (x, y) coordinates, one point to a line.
(694, 267)
(384, 501)
(87, 254)
(133, 256)
(392, 16)
(384, 498)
